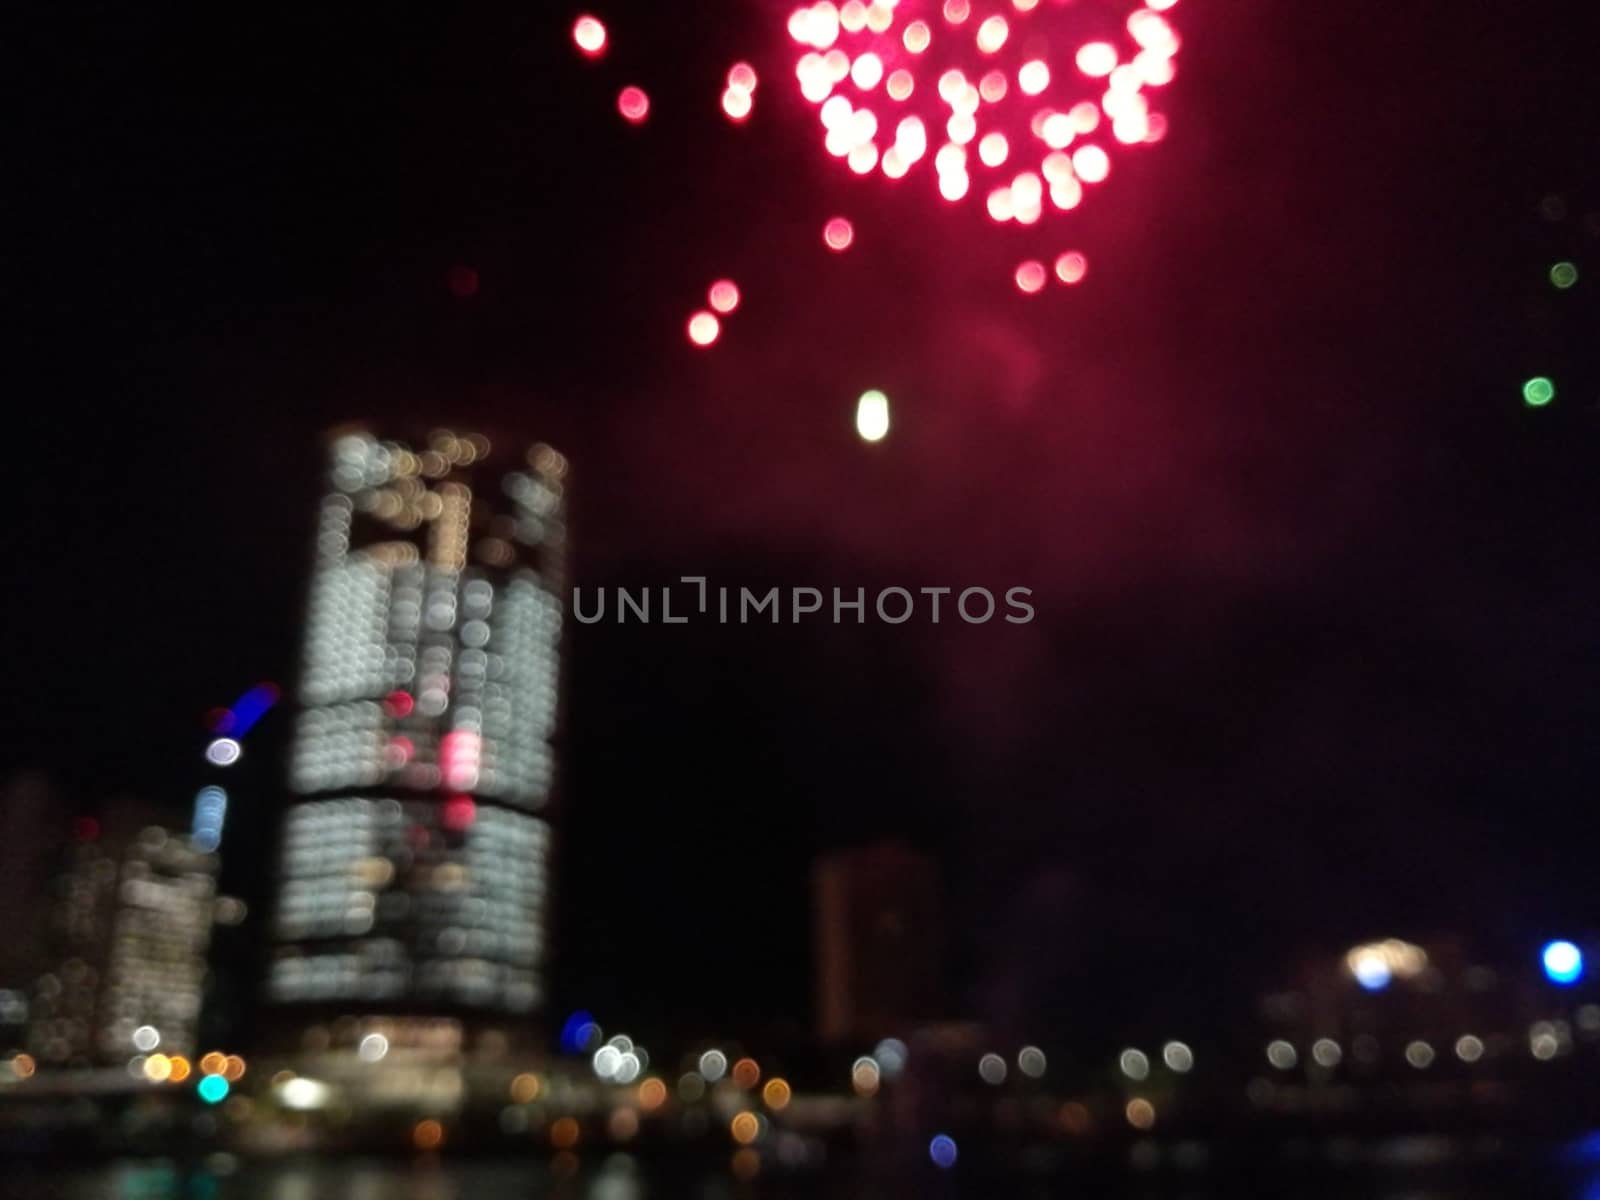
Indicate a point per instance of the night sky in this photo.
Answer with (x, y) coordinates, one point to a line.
(1318, 605)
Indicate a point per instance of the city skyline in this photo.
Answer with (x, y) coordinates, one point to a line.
(1312, 577)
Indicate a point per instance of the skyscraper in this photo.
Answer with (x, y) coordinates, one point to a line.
(416, 843)
(130, 924)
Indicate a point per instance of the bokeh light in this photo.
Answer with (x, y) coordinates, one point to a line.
(744, 1128)
(633, 104)
(942, 1150)
(1015, 90)
(776, 1094)
(1538, 391)
(992, 1069)
(704, 328)
(737, 103)
(1031, 276)
(1563, 963)
(1071, 267)
(1564, 275)
(525, 1088)
(838, 234)
(865, 1077)
(589, 34)
(213, 1089)
(872, 416)
(723, 296)
(713, 1065)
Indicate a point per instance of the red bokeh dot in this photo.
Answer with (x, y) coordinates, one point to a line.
(838, 233)
(399, 704)
(463, 282)
(1031, 276)
(724, 296)
(633, 104)
(458, 813)
(1071, 267)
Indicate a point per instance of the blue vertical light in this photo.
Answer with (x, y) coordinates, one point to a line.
(210, 813)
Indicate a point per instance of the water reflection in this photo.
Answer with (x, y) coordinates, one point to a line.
(1418, 1168)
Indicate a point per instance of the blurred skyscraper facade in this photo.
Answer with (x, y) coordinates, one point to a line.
(414, 864)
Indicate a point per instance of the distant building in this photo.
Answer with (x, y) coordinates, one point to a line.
(878, 935)
(414, 870)
(33, 833)
(130, 923)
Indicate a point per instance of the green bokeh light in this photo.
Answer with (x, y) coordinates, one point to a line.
(1538, 391)
(1564, 275)
(213, 1089)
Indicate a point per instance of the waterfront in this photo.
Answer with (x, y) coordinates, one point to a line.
(1409, 1168)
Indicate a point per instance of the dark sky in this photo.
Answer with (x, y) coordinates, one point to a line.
(1317, 594)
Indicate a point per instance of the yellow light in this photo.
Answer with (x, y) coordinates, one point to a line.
(864, 1077)
(1141, 1114)
(525, 1088)
(213, 1063)
(872, 416)
(158, 1068)
(745, 1128)
(776, 1094)
(652, 1094)
(181, 1068)
(23, 1066)
(233, 1068)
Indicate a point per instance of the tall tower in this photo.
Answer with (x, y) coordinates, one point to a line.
(416, 846)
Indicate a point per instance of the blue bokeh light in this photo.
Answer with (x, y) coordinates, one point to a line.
(578, 1032)
(943, 1151)
(213, 1089)
(1373, 973)
(1563, 963)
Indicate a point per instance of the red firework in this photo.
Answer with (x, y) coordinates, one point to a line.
(1015, 105)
